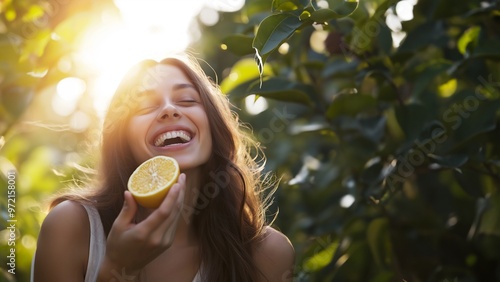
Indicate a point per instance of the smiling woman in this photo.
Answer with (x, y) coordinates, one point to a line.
(211, 226)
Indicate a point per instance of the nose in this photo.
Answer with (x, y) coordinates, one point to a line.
(169, 111)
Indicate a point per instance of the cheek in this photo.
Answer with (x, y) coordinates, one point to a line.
(136, 132)
(137, 126)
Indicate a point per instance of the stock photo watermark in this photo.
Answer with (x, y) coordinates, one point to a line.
(11, 221)
(453, 117)
(122, 277)
(277, 124)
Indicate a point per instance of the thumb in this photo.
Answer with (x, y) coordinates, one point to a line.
(128, 211)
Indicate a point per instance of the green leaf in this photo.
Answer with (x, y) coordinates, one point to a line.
(340, 68)
(239, 91)
(378, 240)
(35, 45)
(239, 44)
(471, 117)
(273, 31)
(487, 48)
(350, 105)
(343, 7)
(470, 36)
(384, 39)
(324, 15)
(451, 161)
(428, 72)
(428, 33)
(490, 221)
(412, 118)
(242, 71)
(34, 12)
(305, 15)
(281, 89)
(321, 258)
(288, 5)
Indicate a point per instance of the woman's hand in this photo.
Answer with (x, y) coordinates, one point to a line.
(132, 246)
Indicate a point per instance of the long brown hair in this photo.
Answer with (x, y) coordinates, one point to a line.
(229, 216)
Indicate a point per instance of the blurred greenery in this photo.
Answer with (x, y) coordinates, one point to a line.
(43, 149)
(388, 151)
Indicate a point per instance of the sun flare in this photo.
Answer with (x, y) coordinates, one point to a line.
(144, 30)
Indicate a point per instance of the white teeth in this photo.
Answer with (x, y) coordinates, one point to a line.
(172, 134)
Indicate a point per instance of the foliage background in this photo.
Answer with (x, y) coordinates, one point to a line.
(388, 152)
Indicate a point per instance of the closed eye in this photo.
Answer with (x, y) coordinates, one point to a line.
(187, 102)
(145, 110)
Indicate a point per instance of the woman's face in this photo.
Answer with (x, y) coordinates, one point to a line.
(169, 119)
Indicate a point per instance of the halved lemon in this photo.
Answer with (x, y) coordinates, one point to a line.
(151, 181)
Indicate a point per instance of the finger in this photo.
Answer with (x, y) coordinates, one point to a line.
(168, 226)
(182, 182)
(128, 211)
(162, 213)
(175, 210)
(179, 189)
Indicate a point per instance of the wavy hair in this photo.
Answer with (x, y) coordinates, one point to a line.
(229, 216)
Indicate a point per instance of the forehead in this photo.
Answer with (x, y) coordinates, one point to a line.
(163, 77)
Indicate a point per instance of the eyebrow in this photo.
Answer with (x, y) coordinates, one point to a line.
(181, 86)
(149, 92)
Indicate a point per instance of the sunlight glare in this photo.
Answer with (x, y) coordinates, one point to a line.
(146, 30)
(71, 88)
(404, 10)
(79, 122)
(225, 5)
(255, 107)
(68, 92)
(209, 17)
(62, 107)
(347, 201)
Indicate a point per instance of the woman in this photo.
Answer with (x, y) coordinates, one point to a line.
(211, 225)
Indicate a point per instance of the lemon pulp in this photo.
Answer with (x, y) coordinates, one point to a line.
(151, 181)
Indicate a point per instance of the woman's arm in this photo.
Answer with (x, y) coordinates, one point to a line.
(275, 256)
(63, 244)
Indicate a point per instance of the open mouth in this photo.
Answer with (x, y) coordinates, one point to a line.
(172, 138)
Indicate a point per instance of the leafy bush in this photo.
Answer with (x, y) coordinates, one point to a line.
(388, 150)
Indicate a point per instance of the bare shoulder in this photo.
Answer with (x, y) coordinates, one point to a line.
(67, 218)
(66, 227)
(275, 241)
(275, 256)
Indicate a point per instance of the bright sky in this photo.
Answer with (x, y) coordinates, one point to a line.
(148, 29)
